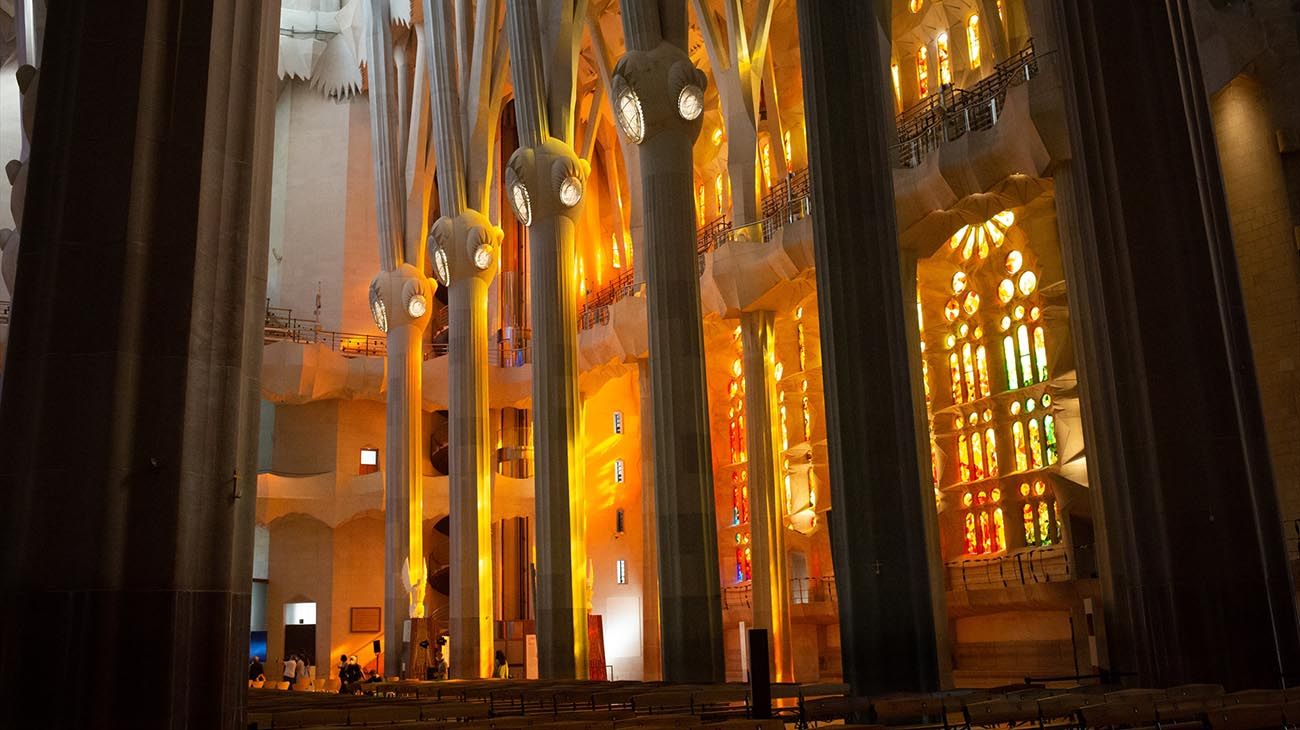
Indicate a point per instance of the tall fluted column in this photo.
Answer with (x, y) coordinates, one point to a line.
(545, 181)
(471, 480)
(464, 247)
(1194, 571)
(127, 476)
(651, 78)
(877, 525)
(650, 642)
(771, 581)
(399, 302)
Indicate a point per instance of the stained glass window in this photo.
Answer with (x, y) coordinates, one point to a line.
(945, 59)
(1009, 358)
(991, 450)
(1049, 439)
(963, 458)
(973, 40)
(1040, 353)
(1021, 448)
(922, 71)
(1035, 445)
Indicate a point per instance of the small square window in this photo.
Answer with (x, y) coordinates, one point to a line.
(369, 461)
(618, 421)
(618, 471)
(620, 570)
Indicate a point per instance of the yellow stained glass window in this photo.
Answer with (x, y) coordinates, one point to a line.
(922, 71)
(972, 543)
(1009, 359)
(807, 421)
(1021, 448)
(977, 455)
(1026, 356)
(786, 148)
(1040, 353)
(982, 369)
(898, 86)
(991, 451)
(973, 40)
(963, 458)
(1044, 523)
(1031, 531)
(999, 530)
(945, 59)
(1035, 445)
(954, 374)
(803, 352)
(767, 165)
(1049, 439)
(968, 367)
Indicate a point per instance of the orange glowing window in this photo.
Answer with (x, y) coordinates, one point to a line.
(922, 71)
(973, 40)
(945, 59)
(717, 192)
(898, 85)
(963, 458)
(767, 165)
(991, 451)
(1021, 448)
(786, 148)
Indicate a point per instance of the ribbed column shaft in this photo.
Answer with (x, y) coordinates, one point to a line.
(526, 71)
(471, 481)
(561, 554)
(771, 581)
(128, 417)
(403, 487)
(690, 589)
(448, 142)
(650, 642)
(641, 29)
(1194, 573)
(876, 524)
(384, 138)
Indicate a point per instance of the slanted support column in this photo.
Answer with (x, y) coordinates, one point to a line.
(129, 411)
(771, 596)
(650, 79)
(545, 181)
(877, 525)
(1194, 570)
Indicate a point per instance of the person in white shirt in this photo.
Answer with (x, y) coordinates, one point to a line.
(300, 672)
(290, 669)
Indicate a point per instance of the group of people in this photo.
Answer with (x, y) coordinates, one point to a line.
(351, 675)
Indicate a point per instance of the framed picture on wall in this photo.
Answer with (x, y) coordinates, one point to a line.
(366, 619)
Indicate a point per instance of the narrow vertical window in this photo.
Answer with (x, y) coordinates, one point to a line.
(620, 570)
(922, 71)
(898, 85)
(717, 193)
(1040, 353)
(973, 40)
(991, 450)
(1009, 360)
(954, 373)
(1049, 439)
(618, 471)
(1026, 357)
(999, 530)
(618, 422)
(968, 366)
(767, 166)
(1018, 441)
(963, 457)
(945, 59)
(1035, 445)
(619, 523)
(982, 369)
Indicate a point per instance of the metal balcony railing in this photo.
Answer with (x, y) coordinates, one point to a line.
(1033, 566)
(951, 113)
(787, 201)
(281, 326)
(802, 591)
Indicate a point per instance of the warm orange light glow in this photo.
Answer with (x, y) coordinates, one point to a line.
(973, 40)
(922, 71)
(945, 59)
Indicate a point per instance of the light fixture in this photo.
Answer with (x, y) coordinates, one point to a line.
(630, 117)
(690, 102)
(522, 204)
(571, 191)
(441, 268)
(483, 256)
(378, 310)
(416, 306)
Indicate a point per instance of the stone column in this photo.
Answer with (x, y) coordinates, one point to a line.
(654, 72)
(127, 475)
(464, 248)
(1195, 583)
(399, 302)
(545, 182)
(650, 642)
(877, 524)
(771, 596)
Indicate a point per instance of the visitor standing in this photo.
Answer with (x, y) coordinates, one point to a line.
(256, 672)
(290, 669)
(502, 670)
(300, 669)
